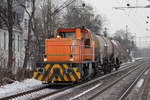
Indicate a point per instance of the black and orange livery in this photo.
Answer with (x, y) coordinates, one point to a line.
(58, 72)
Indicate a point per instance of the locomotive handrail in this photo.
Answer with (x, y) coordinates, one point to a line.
(62, 54)
(65, 45)
(80, 53)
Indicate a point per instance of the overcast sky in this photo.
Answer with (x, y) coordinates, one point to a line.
(118, 19)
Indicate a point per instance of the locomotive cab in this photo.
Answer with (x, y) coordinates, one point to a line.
(69, 45)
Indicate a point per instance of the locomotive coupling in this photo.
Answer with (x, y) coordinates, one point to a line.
(68, 70)
(40, 70)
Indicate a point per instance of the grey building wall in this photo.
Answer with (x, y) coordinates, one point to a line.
(19, 38)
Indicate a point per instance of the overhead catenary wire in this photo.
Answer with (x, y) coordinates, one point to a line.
(134, 22)
(60, 8)
(130, 18)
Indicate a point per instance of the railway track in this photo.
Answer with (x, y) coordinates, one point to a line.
(63, 95)
(23, 93)
(108, 82)
(105, 88)
(128, 90)
(43, 92)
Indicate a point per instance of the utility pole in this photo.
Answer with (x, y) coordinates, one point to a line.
(105, 32)
(126, 29)
(128, 44)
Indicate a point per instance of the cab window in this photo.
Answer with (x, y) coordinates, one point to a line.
(67, 34)
(87, 41)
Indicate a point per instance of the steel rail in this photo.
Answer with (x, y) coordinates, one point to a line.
(114, 82)
(22, 93)
(128, 90)
(63, 89)
(52, 93)
(86, 83)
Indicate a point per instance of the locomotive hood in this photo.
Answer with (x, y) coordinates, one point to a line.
(58, 49)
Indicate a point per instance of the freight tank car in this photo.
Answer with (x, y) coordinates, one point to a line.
(74, 54)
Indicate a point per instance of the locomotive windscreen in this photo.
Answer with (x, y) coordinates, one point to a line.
(67, 34)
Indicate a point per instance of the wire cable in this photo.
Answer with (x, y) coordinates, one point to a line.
(56, 11)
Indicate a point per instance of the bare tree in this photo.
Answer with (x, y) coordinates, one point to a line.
(30, 28)
(82, 15)
(44, 27)
(48, 18)
(126, 40)
(7, 19)
(1, 56)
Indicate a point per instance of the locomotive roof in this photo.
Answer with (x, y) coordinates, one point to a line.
(71, 30)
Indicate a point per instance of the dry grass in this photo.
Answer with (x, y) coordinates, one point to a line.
(23, 74)
(7, 77)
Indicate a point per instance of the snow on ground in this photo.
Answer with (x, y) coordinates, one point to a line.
(18, 87)
(129, 62)
(139, 84)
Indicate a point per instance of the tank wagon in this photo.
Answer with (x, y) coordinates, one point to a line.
(75, 54)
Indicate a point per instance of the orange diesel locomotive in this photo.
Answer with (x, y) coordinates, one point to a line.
(74, 54)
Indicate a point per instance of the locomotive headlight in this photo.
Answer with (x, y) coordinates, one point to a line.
(58, 36)
(71, 57)
(45, 59)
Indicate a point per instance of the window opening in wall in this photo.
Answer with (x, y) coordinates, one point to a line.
(18, 62)
(4, 63)
(25, 24)
(18, 43)
(4, 40)
(14, 42)
(28, 4)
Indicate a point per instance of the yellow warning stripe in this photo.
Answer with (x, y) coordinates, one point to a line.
(72, 76)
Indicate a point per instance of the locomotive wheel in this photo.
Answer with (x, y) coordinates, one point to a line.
(116, 68)
(107, 69)
(85, 72)
(95, 69)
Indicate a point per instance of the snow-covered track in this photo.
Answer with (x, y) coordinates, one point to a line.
(71, 93)
(51, 94)
(45, 91)
(128, 90)
(111, 84)
(22, 93)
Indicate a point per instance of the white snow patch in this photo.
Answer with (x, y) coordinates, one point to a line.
(139, 58)
(79, 95)
(146, 72)
(139, 84)
(35, 94)
(18, 87)
(66, 91)
(125, 64)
